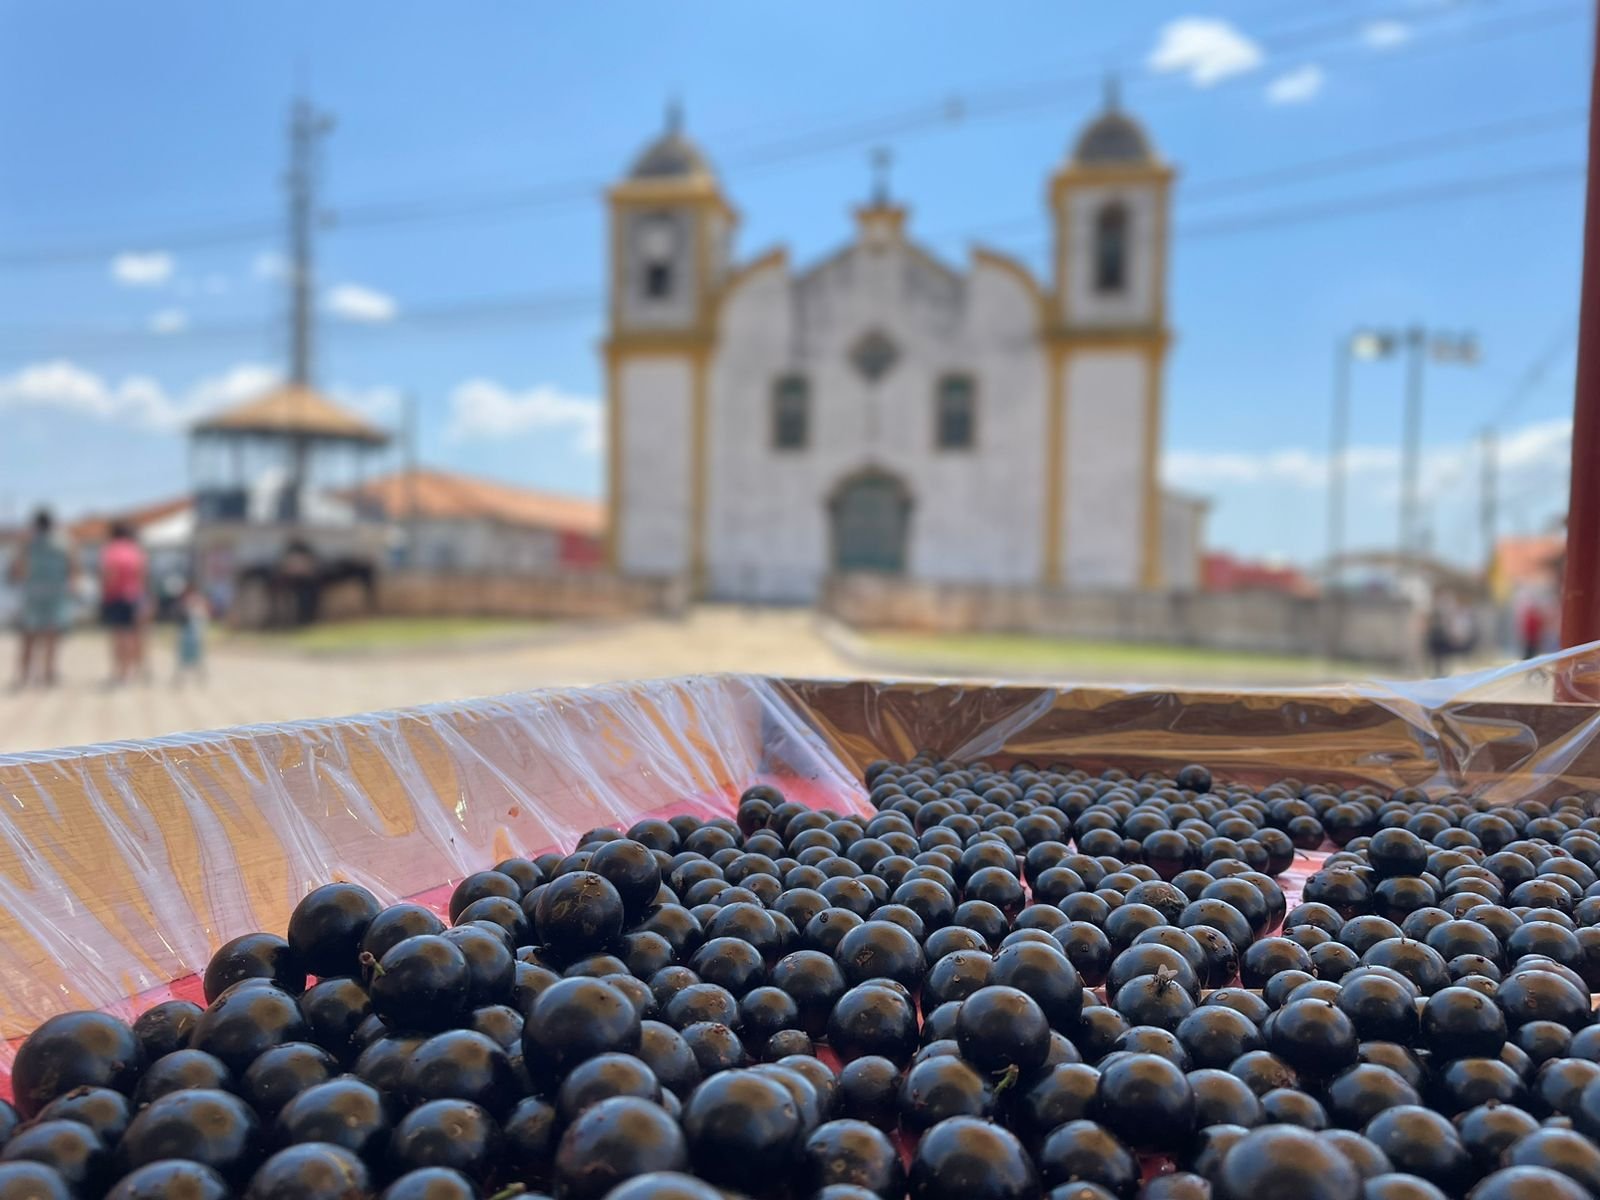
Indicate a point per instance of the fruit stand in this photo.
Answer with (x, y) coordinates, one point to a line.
(713, 937)
(124, 868)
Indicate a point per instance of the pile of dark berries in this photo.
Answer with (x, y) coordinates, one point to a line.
(1000, 985)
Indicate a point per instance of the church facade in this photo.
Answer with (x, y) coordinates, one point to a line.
(882, 410)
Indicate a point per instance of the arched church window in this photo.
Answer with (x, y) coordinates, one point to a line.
(1111, 248)
(955, 419)
(791, 413)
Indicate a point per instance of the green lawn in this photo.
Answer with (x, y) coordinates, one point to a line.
(398, 633)
(1002, 653)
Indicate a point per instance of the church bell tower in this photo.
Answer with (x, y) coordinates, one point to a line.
(1108, 338)
(670, 235)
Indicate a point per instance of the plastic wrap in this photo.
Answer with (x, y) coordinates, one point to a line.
(123, 866)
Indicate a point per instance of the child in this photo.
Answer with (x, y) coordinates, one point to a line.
(193, 613)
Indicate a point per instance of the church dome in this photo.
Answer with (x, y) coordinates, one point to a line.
(1113, 139)
(670, 156)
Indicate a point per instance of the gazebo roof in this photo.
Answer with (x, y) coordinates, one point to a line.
(294, 411)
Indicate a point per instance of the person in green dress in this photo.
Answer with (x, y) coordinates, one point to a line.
(43, 569)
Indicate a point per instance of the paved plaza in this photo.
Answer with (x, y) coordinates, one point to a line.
(248, 682)
(254, 679)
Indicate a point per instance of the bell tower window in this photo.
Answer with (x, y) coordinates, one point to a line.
(658, 280)
(657, 240)
(1111, 249)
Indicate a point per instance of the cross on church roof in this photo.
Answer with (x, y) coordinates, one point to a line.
(882, 160)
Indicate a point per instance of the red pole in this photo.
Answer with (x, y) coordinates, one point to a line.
(1580, 592)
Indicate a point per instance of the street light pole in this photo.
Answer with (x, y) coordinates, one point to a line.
(1339, 440)
(1338, 443)
(1411, 441)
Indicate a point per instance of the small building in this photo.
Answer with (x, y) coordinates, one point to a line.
(1225, 572)
(451, 523)
(885, 410)
(1183, 540)
(1527, 567)
(1525, 576)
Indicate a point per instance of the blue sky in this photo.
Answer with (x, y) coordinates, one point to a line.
(144, 150)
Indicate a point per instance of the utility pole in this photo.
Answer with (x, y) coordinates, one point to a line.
(307, 127)
(1488, 494)
(1458, 348)
(1338, 442)
(410, 477)
(1339, 439)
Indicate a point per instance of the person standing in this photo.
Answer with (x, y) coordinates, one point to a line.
(122, 586)
(193, 614)
(43, 569)
(1440, 636)
(1531, 627)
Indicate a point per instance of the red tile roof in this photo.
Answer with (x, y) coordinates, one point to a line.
(443, 495)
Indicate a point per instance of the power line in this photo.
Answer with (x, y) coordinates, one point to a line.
(1399, 151)
(1534, 375)
(534, 306)
(1453, 189)
(1235, 224)
(1444, 141)
(990, 103)
(562, 305)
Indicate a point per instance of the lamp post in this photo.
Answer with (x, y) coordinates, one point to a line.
(1454, 348)
(1364, 344)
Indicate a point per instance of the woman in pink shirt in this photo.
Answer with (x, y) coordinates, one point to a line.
(122, 584)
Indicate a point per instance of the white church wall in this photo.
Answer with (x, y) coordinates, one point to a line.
(653, 536)
(976, 513)
(1104, 463)
(984, 507)
(761, 534)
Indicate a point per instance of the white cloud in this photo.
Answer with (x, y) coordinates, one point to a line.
(1385, 35)
(1296, 86)
(1543, 447)
(381, 403)
(131, 269)
(1205, 49)
(169, 320)
(482, 408)
(1535, 447)
(135, 400)
(354, 302)
(269, 264)
(140, 402)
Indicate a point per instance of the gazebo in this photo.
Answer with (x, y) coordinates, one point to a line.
(293, 429)
(276, 530)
